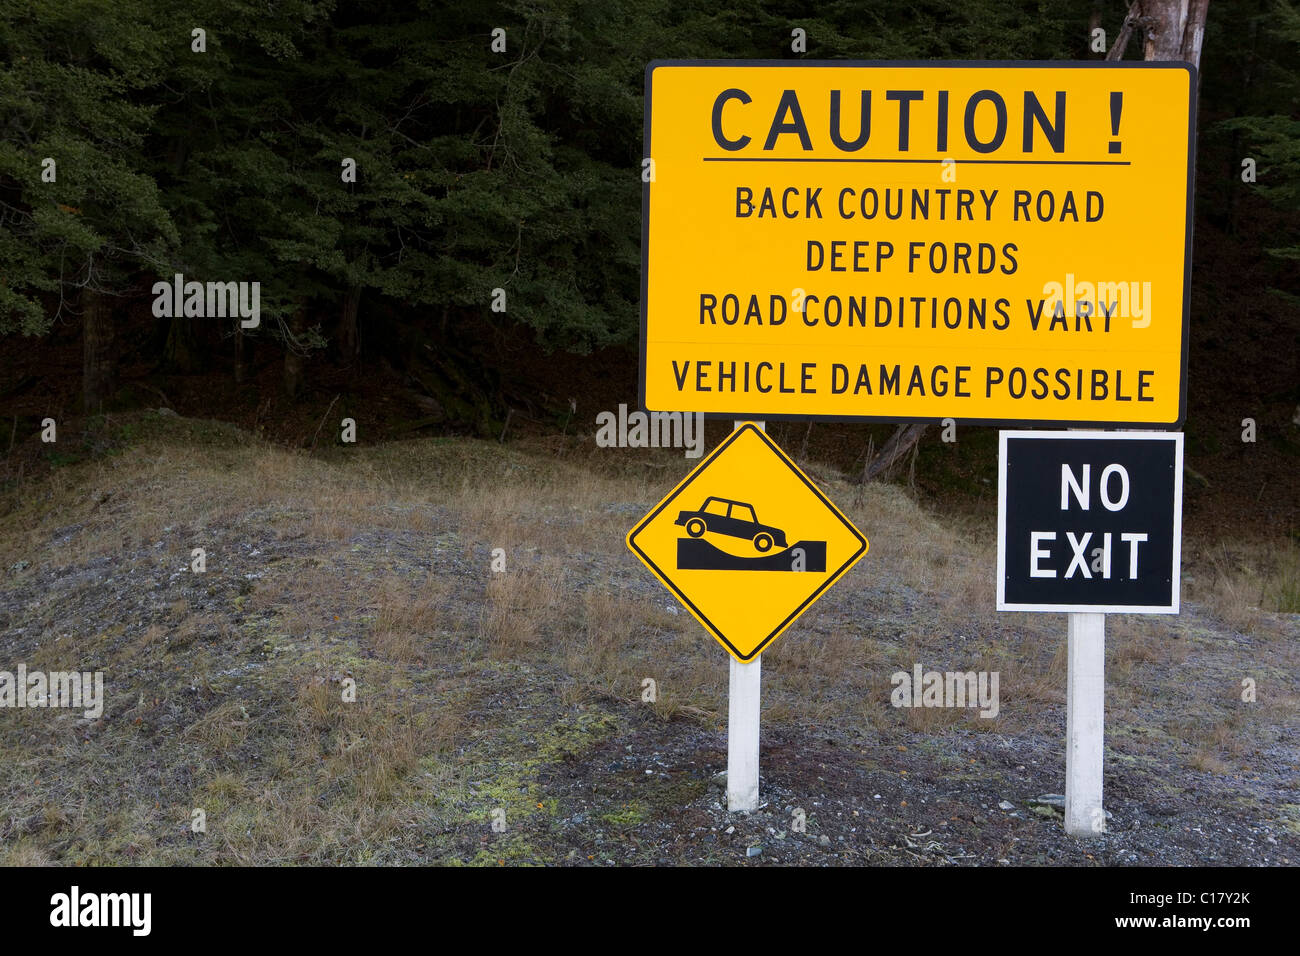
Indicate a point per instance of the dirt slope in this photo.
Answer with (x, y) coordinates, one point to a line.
(517, 696)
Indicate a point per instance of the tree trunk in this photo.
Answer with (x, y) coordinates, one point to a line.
(1175, 29)
(97, 352)
(349, 332)
(294, 359)
(893, 451)
(241, 354)
(447, 382)
(181, 353)
(1194, 33)
(1171, 30)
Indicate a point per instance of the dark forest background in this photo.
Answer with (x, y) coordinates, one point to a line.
(518, 170)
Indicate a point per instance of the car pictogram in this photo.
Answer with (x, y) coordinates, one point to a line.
(736, 519)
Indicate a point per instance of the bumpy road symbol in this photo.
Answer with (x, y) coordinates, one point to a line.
(738, 520)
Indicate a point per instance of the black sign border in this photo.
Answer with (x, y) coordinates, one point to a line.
(938, 64)
(1175, 585)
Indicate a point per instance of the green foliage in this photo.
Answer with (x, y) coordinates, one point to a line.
(71, 90)
(475, 169)
(1271, 138)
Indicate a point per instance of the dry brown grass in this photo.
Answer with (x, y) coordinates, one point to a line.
(1137, 643)
(542, 505)
(520, 605)
(223, 729)
(1047, 686)
(319, 705)
(335, 781)
(609, 622)
(407, 615)
(24, 853)
(1219, 744)
(1243, 583)
(1209, 763)
(616, 642)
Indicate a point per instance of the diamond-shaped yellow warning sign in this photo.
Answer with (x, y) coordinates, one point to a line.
(747, 542)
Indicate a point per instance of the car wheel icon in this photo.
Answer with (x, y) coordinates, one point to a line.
(695, 527)
(763, 542)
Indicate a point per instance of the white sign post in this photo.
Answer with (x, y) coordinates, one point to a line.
(1085, 716)
(742, 734)
(1089, 523)
(742, 726)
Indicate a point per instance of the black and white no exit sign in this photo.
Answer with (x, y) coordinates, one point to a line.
(1089, 521)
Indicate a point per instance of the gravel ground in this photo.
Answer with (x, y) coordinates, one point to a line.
(584, 772)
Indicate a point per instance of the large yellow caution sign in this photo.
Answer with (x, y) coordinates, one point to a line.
(747, 542)
(992, 243)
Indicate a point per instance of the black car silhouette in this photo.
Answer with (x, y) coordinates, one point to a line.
(735, 519)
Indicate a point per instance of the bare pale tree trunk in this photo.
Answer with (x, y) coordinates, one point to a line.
(97, 352)
(1171, 30)
(1194, 31)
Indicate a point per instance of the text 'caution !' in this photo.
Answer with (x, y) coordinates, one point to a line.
(991, 243)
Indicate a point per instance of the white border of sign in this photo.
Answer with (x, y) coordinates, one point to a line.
(1176, 437)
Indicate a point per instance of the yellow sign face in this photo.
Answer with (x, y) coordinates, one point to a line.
(747, 542)
(993, 243)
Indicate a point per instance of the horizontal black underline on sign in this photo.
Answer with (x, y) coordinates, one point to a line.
(956, 162)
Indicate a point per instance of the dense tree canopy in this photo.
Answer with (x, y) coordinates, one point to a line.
(476, 168)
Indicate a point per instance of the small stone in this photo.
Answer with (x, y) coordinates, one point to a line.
(1054, 800)
(1006, 805)
(824, 840)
